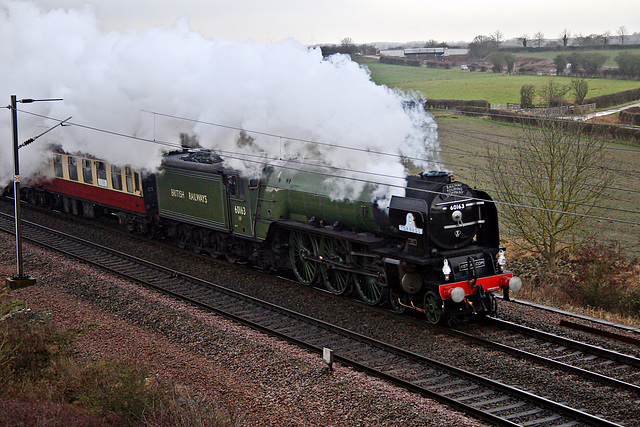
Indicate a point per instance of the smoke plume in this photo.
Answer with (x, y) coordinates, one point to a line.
(155, 85)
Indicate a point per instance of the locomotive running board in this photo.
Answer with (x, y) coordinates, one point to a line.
(328, 230)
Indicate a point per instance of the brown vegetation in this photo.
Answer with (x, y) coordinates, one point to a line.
(595, 278)
(44, 382)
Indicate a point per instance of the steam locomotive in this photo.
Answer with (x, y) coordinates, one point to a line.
(435, 251)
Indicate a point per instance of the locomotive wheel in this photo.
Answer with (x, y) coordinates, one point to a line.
(184, 234)
(303, 249)
(492, 304)
(432, 307)
(199, 240)
(216, 244)
(370, 290)
(399, 301)
(336, 281)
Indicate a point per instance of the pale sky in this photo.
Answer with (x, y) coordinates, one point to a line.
(330, 21)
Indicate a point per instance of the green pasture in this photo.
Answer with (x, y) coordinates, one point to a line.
(464, 146)
(456, 84)
(609, 53)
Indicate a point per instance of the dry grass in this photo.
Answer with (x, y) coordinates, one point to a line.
(615, 284)
(43, 382)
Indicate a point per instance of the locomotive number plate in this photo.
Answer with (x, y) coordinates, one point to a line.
(464, 266)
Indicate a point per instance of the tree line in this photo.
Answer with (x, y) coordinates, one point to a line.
(482, 43)
(576, 63)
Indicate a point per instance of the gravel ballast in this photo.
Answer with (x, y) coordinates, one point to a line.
(257, 380)
(412, 333)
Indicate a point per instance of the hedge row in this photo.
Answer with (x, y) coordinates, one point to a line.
(630, 116)
(393, 60)
(616, 132)
(450, 104)
(614, 99)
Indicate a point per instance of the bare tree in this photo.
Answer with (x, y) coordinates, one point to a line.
(606, 37)
(553, 91)
(550, 180)
(592, 62)
(539, 38)
(481, 46)
(347, 43)
(523, 39)
(564, 36)
(580, 89)
(580, 39)
(622, 34)
(498, 38)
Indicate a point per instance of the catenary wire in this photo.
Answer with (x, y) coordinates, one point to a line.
(179, 146)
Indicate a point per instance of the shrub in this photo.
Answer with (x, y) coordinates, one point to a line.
(527, 93)
(117, 387)
(21, 412)
(448, 104)
(560, 62)
(613, 99)
(628, 63)
(28, 348)
(44, 384)
(630, 116)
(603, 278)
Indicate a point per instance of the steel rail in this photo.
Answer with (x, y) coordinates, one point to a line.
(350, 356)
(603, 379)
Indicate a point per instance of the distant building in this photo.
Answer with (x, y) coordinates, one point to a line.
(436, 51)
(391, 52)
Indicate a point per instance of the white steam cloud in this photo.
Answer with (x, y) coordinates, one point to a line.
(139, 83)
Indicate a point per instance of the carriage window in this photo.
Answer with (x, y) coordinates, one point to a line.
(101, 171)
(116, 177)
(73, 168)
(128, 179)
(87, 174)
(57, 165)
(136, 180)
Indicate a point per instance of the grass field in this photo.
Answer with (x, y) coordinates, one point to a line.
(464, 142)
(609, 53)
(495, 88)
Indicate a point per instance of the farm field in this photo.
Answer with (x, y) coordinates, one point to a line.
(609, 53)
(464, 142)
(495, 88)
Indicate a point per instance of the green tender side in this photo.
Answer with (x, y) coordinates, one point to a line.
(193, 197)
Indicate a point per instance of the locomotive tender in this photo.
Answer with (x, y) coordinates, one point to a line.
(436, 251)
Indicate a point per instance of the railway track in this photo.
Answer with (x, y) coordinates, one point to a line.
(478, 396)
(587, 361)
(576, 316)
